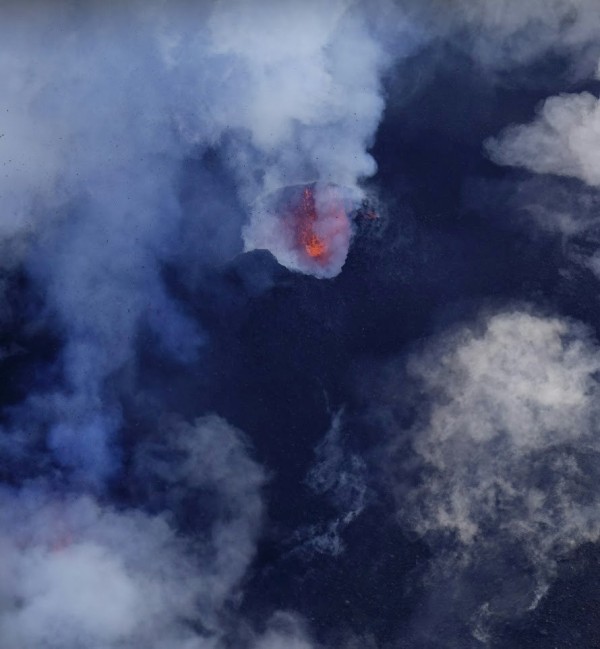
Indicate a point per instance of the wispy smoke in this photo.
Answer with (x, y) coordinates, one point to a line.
(77, 572)
(563, 140)
(506, 34)
(341, 477)
(80, 573)
(507, 443)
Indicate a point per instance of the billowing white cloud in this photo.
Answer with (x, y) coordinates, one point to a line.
(315, 104)
(78, 573)
(564, 139)
(507, 446)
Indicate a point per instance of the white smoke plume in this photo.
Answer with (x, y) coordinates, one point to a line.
(77, 573)
(102, 108)
(508, 449)
(317, 101)
(562, 140)
(110, 116)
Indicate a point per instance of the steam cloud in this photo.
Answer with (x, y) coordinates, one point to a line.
(142, 148)
(77, 572)
(563, 140)
(508, 448)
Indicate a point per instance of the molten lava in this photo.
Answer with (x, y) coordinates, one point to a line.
(307, 216)
(318, 222)
(307, 227)
(314, 246)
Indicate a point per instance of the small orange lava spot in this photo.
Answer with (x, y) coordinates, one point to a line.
(314, 246)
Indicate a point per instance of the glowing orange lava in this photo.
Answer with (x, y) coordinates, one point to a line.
(312, 244)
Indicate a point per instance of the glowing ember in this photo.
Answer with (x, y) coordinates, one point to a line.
(318, 221)
(313, 245)
(307, 227)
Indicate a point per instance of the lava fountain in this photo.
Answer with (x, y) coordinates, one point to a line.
(306, 227)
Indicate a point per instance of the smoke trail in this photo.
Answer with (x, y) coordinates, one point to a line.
(341, 478)
(105, 212)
